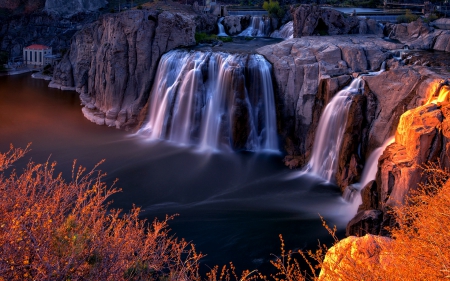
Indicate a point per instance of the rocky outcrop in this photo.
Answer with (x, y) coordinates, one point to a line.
(235, 24)
(420, 35)
(308, 72)
(71, 7)
(368, 252)
(422, 135)
(112, 62)
(315, 20)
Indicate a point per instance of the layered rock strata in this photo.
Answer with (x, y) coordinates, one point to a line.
(112, 62)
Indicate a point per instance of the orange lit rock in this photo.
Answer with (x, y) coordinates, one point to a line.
(366, 252)
(417, 131)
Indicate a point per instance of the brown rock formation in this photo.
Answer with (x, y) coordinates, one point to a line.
(420, 35)
(112, 62)
(308, 72)
(314, 20)
(422, 135)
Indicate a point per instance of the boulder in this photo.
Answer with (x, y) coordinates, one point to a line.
(369, 252)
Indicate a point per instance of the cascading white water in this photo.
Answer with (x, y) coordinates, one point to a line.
(213, 100)
(330, 130)
(352, 194)
(221, 28)
(286, 31)
(260, 27)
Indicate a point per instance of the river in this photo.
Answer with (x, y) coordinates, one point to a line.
(232, 206)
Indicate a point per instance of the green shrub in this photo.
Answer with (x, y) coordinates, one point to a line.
(273, 8)
(407, 18)
(226, 39)
(202, 37)
(139, 7)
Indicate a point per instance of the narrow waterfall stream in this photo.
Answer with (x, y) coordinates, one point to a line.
(214, 101)
(330, 130)
(352, 194)
(286, 31)
(260, 27)
(221, 28)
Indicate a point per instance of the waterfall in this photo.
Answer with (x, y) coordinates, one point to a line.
(213, 100)
(330, 130)
(221, 28)
(352, 194)
(286, 31)
(260, 27)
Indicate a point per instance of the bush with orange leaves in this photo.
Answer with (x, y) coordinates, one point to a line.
(51, 229)
(419, 248)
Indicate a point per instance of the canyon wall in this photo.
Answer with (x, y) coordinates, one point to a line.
(112, 62)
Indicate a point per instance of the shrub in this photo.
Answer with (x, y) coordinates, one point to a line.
(226, 39)
(273, 8)
(51, 229)
(139, 7)
(407, 18)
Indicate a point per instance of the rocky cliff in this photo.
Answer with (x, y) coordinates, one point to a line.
(112, 62)
(71, 7)
(308, 72)
(315, 20)
(422, 136)
(19, 31)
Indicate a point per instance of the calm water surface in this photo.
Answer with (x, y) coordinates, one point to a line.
(231, 205)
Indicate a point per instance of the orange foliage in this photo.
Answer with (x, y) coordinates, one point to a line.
(51, 229)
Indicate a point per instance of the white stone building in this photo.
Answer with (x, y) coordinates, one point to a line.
(35, 54)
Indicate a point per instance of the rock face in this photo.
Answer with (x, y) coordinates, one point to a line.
(112, 62)
(308, 72)
(22, 6)
(235, 24)
(314, 20)
(422, 135)
(71, 7)
(368, 252)
(19, 31)
(419, 35)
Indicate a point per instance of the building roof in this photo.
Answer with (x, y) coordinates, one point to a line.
(37, 47)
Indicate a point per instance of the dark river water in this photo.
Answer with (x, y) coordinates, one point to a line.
(232, 206)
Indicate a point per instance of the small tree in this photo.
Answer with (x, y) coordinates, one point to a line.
(273, 8)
